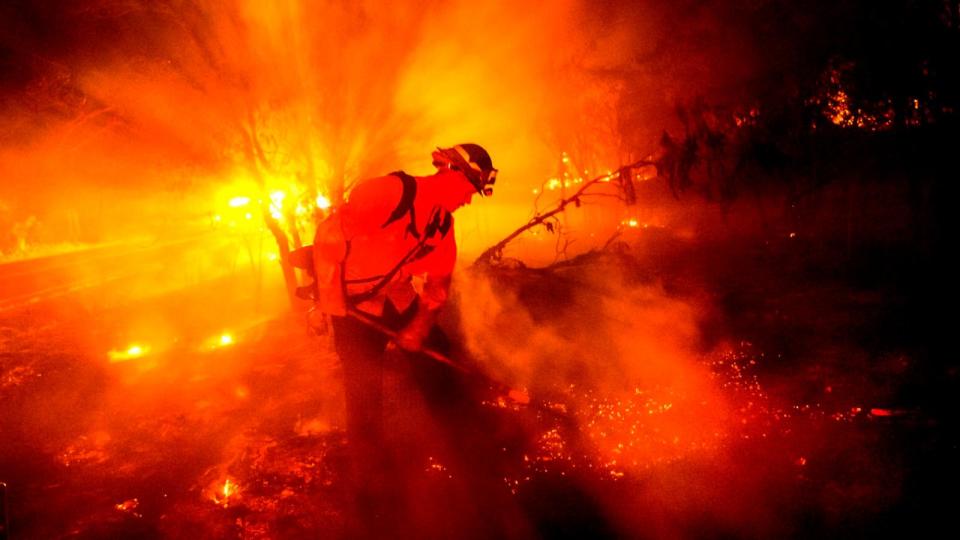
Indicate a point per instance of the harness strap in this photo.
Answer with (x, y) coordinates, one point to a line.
(440, 221)
(405, 206)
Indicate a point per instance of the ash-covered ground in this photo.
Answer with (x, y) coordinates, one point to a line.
(683, 387)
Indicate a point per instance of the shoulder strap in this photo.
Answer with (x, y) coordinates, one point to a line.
(405, 206)
(440, 222)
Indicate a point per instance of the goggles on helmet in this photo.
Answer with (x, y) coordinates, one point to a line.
(459, 159)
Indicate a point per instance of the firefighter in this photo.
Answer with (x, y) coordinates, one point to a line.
(388, 254)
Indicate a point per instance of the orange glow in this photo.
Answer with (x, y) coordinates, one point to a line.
(223, 492)
(291, 105)
(839, 109)
(519, 396)
(129, 506)
(131, 353)
(276, 204)
(226, 339)
(262, 109)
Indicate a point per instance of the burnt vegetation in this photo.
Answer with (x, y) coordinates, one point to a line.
(773, 359)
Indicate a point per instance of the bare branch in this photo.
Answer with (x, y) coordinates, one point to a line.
(496, 251)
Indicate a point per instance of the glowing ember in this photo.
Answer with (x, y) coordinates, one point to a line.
(237, 202)
(223, 494)
(129, 506)
(519, 396)
(839, 109)
(131, 353)
(323, 203)
(647, 429)
(435, 467)
(17, 376)
(225, 339)
(90, 449)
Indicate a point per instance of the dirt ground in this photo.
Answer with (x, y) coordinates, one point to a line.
(810, 398)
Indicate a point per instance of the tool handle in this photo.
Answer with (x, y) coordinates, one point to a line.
(392, 334)
(518, 396)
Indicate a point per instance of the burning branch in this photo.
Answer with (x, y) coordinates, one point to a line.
(495, 252)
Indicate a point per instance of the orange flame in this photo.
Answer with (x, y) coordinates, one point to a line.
(131, 353)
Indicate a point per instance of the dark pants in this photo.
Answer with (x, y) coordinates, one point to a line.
(452, 403)
(362, 351)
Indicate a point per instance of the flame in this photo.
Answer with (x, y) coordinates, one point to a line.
(131, 353)
(225, 339)
(129, 506)
(323, 202)
(237, 202)
(222, 494)
(276, 204)
(838, 107)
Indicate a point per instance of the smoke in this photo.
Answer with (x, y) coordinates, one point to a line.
(653, 398)
(593, 336)
(186, 95)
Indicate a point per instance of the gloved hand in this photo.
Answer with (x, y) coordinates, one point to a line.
(411, 337)
(318, 321)
(409, 341)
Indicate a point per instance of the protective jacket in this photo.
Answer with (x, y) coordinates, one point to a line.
(391, 240)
